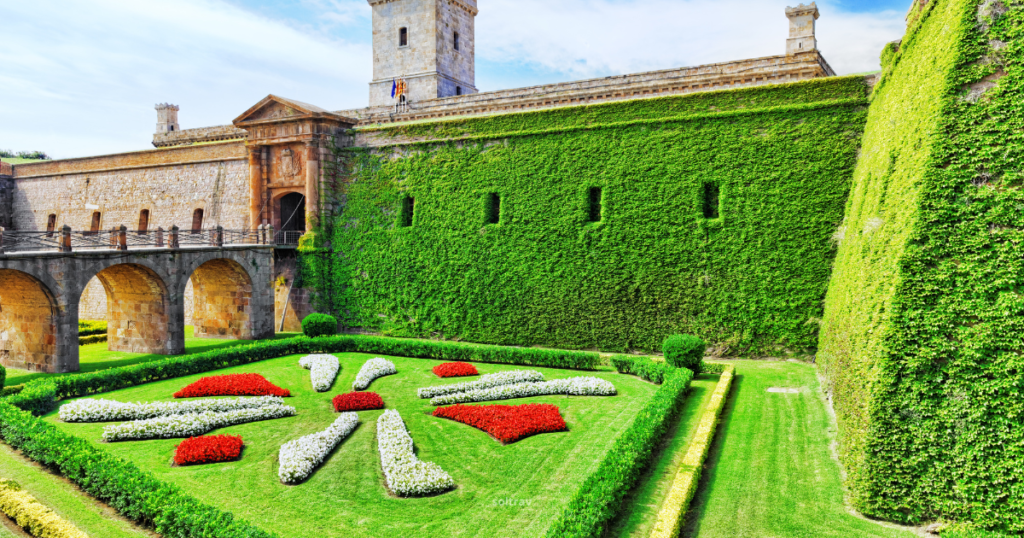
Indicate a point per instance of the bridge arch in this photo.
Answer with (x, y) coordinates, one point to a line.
(29, 323)
(222, 300)
(141, 315)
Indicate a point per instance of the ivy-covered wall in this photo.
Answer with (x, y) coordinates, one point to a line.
(923, 339)
(715, 216)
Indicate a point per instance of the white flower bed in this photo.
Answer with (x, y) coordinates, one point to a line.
(510, 377)
(109, 410)
(373, 369)
(405, 474)
(299, 458)
(322, 370)
(191, 425)
(573, 386)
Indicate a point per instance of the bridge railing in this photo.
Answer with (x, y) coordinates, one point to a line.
(67, 240)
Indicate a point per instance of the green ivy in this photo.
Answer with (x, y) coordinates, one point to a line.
(751, 281)
(921, 343)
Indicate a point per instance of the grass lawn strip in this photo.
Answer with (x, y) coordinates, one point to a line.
(192, 424)
(406, 474)
(100, 410)
(510, 377)
(576, 386)
(685, 483)
(30, 514)
(322, 370)
(373, 369)
(301, 457)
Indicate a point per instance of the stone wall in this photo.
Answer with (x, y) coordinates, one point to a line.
(202, 134)
(6, 195)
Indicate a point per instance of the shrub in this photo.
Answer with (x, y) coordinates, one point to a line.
(642, 367)
(92, 339)
(29, 514)
(319, 325)
(11, 390)
(91, 327)
(3, 376)
(685, 351)
(597, 500)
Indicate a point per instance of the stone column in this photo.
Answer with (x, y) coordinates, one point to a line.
(255, 186)
(312, 182)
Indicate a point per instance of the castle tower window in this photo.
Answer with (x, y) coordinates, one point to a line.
(458, 90)
(51, 224)
(456, 41)
(95, 227)
(594, 213)
(492, 208)
(408, 209)
(143, 221)
(403, 37)
(711, 201)
(197, 221)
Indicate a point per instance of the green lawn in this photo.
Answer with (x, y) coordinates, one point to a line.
(503, 491)
(19, 160)
(93, 357)
(770, 473)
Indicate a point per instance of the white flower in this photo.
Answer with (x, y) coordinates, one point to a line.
(191, 425)
(510, 377)
(373, 369)
(323, 369)
(299, 458)
(109, 410)
(405, 474)
(574, 386)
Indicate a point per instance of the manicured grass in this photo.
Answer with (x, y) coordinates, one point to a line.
(63, 498)
(93, 357)
(771, 472)
(19, 160)
(644, 502)
(503, 491)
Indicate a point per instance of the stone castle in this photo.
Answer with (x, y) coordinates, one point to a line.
(270, 165)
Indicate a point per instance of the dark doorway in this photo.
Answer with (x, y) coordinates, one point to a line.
(293, 212)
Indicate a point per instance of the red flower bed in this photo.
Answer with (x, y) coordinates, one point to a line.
(455, 369)
(358, 401)
(507, 423)
(208, 449)
(232, 385)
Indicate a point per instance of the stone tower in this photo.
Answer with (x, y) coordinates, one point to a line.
(801, 28)
(428, 43)
(166, 118)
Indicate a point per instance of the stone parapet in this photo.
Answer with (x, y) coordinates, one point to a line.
(227, 151)
(753, 72)
(204, 134)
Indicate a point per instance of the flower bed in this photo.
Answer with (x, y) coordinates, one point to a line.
(510, 377)
(455, 369)
(358, 401)
(322, 370)
(373, 369)
(109, 410)
(507, 423)
(208, 449)
(232, 385)
(404, 473)
(299, 458)
(191, 425)
(573, 386)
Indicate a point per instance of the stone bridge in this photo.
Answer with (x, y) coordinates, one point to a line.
(40, 292)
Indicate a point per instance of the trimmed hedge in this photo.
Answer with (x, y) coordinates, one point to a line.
(600, 497)
(91, 327)
(685, 351)
(92, 339)
(713, 368)
(32, 515)
(13, 389)
(39, 396)
(319, 325)
(643, 367)
(3, 376)
(135, 494)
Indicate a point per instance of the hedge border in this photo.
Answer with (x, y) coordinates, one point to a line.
(685, 484)
(30, 514)
(599, 498)
(92, 339)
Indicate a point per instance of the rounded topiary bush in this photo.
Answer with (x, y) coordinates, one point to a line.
(319, 325)
(684, 351)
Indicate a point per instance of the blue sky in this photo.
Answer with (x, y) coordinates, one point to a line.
(80, 77)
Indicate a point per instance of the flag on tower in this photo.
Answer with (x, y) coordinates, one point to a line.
(394, 87)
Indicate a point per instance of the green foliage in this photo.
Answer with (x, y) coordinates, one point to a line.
(685, 351)
(712, 368)
(3, 376)
(319, 325)
(921, 343)
(132, 492)
(38, 397)
(25, 155)
(642, 367)
(91, 327)
(96, 338)
(10, 390)
(751, 280)
(599, 498)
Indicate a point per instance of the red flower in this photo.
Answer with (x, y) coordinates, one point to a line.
(208, 449)
(507, 423)
(455, 369)
(358, 401)
(232, 385)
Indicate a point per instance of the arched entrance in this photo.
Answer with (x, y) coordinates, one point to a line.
(28, 324)
(137, 310)
(222, 301)
(291, 217)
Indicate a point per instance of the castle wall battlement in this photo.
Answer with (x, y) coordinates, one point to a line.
(217, 133)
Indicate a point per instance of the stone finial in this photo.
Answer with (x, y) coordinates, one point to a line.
(801, 28)
(167, 118)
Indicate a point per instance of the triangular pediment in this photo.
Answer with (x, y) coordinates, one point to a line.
(273, 107)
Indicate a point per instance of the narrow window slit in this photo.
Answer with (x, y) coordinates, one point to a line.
(711, 200)
(493, 208)
(595, 205)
